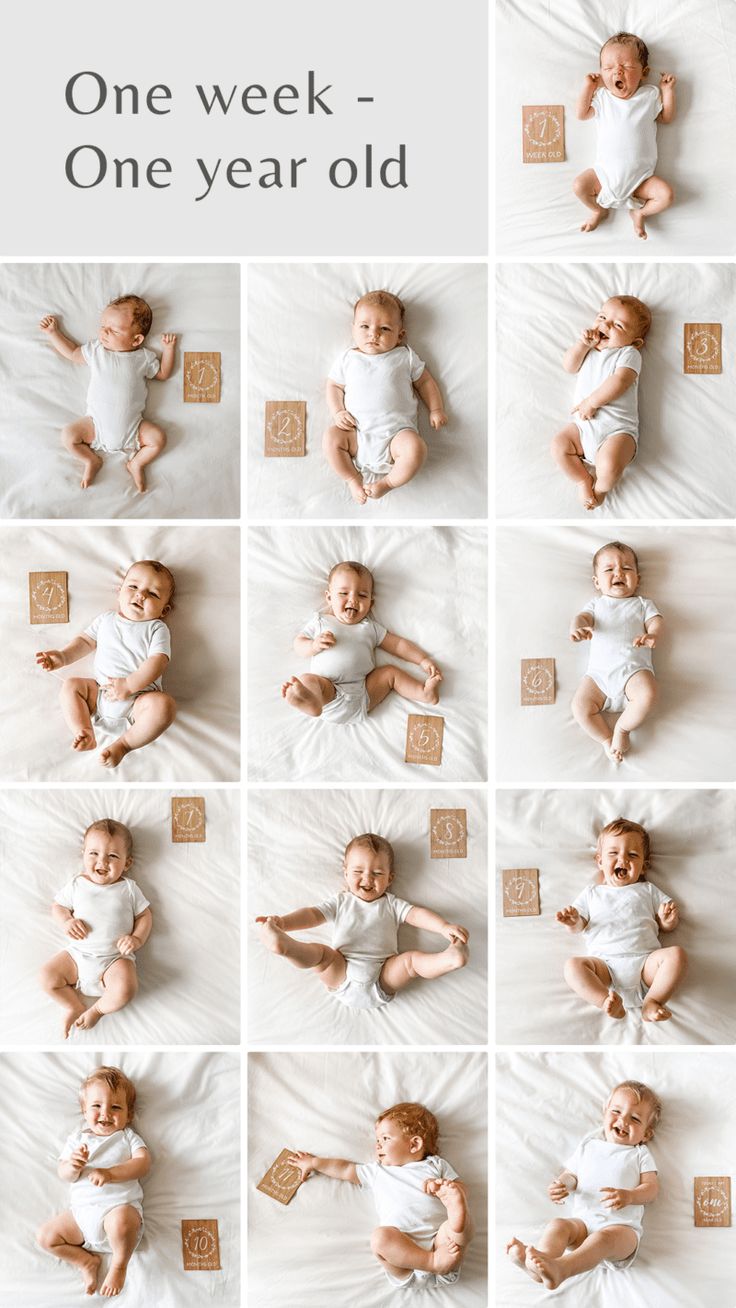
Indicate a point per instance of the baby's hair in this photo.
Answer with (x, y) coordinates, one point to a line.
(384, 300)
(360, 568)
(116, 1080)
(112, 828)
(644, 1094)
(379, 845)
(615, 545)
(628, 38)
(623, 827)
(157, 567)
(140, 312)
(642, 311)
(414, 1119)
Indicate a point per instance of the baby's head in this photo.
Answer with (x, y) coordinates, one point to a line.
(125, 324)
(378, 322)
(631, 1114)
(368, 866)
(107, 852)
(406, 1133)
(622, 852)
(349, 592)
(622, 320)
(107, 1098)
(146, 591)
(624, 64)
(616, 570)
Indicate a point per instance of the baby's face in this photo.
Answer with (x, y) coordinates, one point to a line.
(621, 71)
(144, 594)
(376, 330)
(105, 859)
(626, 1118)
(117, 332)
(105, 1110)
(350, 596)
(367, 875)
(621, 859)
(616, 574)
(393, 1148)
(618, 325)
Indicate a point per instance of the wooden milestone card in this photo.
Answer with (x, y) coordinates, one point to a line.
(187, 819)
(202, 377)
(537, 681)
(448, 833)
(286, 429)
(712, 1201)
(521, 892)
(200, 1245)
(282, 1180)
(424, 739)
(48, 597)
(543, 133)
(702, 348)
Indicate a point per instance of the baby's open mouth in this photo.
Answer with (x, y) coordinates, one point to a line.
(620, 872)
(619, 84)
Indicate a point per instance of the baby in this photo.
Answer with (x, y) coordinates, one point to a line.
(372, 395)
(363, 968)
(106, 918)
(605, 434)
(119, 367)
(105, 1161)
(623, 628)
(343, 684)
(627, 114)
(132, 649)
(423, 1209)
(610, 1176)
(621, 917)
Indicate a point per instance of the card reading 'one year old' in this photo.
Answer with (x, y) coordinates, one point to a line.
(712, 1201)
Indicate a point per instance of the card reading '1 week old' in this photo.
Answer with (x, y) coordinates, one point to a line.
(543, 133)
(48, 596)
(282, 1180)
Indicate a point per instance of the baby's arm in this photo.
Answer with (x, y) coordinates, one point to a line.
(336, 405)
(668, 916)
(49, 659)
(72, 926)
(300, 920)
(411, 653)
(621, 381)
(571, 918)
(572, 359)
(643, 1193)
(667, 83)
(584, 107)
(561, 1187)
(70, 1169)
(340, 1169)
(652, 630)
(166, 366)
(149, 670)
(581, 627)
(429, 921)
(306, 647)
(429, 392)
(64, 345)
(138, 1166)
(139, 935)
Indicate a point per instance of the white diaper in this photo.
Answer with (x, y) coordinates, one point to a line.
(90, 969)
(349, 706)
(626, 977)
(594, 431)
(613, 683)
(113, 715)
(422, 1280)
(89, 1219)
(361, 989)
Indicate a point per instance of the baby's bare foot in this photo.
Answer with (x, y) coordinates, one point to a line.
(377, 489)
(543, 1268)
(592, 222)
(637, 218)
(272, 936)
(85, 739)
(296, 693)
(430, 690)
(114, 1281)
(92, 465)
(89, 1018)
(587, 494)
(517, 1253)
(90, 1270)
(619, 745)
(137, 474)
(653, 1011)
(357, 490)
(114, 754)
(613, 1005)
(71, 1013)
(451, 1195)
(446, 1258)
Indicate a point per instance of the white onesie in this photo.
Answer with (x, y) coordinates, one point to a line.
(626, 148)
(622, 930)
(380, 395)
(597, 1163)
(366, 934)
(117, 393)
(121, 647)
(613, 657)
(400, 1201)
(90, 1203)
(622, 414)
(109, 912)
(346, 663)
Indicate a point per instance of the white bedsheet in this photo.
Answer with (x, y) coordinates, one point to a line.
(430, 587)
(299, 320)
(42, 391)
(688, 572)
(203, 676)
(296, 844)
(693, 836)
(543, 52)
(686, 463)
(189, 968)
(315, 1252)
(547, 1102)
(187, 1113)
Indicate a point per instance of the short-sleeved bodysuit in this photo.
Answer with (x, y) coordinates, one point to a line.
(380, 395)
(398, 1193)
(121, 647)
(613, 657)
(622, 930)
(597, 1163)
(366, 934)
(109, 912)
(626, 147)
(622, 414)
(90, 1203)
(346, 663)
(117, 393)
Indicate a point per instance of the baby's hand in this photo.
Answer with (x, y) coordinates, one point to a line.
(593, 79)
(99, 1176)
(590, 336)
(323, 641)
(437, 418)
(305, 1162)
(668, 79)
(79, 1158)
(168, 338)
(568, 917)
(48, 323)
(345, 420)
(431, 669)
(128, 944)
(458, 934)
(614, 1199)
(646, 638)
(557, 1192)
(581, 633)
(116, 688)
(277, 921)
(48, 659)
(432, 1186)
(585, 409)
(76, 928)
(669, 914)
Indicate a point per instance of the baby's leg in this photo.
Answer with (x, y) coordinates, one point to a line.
(586, 187)
(122, 1226)
(58, 978)
(610, 460)
(567, 452)
(657, 195)
(662, 972)
(587, 708)
(328, 963)
(408, 452)
(152, 441)
(154, 712)
(458, 1229)
(400, 969)
(77, 438)
(78, 702)
(340, 448)
(308, 693)
(382, 680)
(400, 1253)
(561, 1234)
(641, 692)
(120, 985)
(591, 979)
(62, 1237)
(613, 1242)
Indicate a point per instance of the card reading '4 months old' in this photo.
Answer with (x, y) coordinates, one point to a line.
(286, 429)
(448, 833)
(200, 1245)
(712, 1201)
(537, 681)
(543, 133)
(424, 739)
(202, 377)
(48, 596)
(282, 1180)
(187, 819)
(702, 348)
(521, 892)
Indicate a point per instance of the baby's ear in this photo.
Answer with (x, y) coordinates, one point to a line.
(138, 340)
(639, 343)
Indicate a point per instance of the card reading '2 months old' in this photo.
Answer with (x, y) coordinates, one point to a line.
(286, 429)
